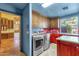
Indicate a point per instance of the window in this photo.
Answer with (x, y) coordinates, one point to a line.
(69, 25)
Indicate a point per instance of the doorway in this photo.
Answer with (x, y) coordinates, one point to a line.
(9, 33)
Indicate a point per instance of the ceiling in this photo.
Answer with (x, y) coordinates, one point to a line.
(57, 9)
(18, 5)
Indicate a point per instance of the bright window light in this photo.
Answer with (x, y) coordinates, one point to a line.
(44, 5)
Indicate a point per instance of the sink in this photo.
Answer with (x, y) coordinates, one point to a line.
(69, 38)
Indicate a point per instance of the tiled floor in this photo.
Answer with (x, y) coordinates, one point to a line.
(52, 51)
(8, 48)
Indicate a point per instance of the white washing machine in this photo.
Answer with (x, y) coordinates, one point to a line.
(37, 44)
(46, 41)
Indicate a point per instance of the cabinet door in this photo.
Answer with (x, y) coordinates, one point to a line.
(0, 32)
(77, 50)
(34, 21)
(65, 49)
(59, 49)
(39, 21)
(62, 49)
(54, 23)
(44, 22)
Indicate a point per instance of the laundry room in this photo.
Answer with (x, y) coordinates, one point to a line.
(55, 29)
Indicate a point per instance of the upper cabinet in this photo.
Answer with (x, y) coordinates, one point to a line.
(34, 20)
(45, 22)
(39, 21)
(9, 22)
(54, 23)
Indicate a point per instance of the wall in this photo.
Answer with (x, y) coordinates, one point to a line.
(25, 31)
(8, 8)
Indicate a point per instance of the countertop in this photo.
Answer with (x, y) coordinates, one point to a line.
(8, 31)
(73, 39)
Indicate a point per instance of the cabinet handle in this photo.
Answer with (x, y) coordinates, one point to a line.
(77, 47)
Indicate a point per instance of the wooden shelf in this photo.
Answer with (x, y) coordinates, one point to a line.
(8, 24)
(8, 31)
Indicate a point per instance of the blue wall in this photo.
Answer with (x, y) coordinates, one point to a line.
(9, 8)
(25, 31)
(70, 15)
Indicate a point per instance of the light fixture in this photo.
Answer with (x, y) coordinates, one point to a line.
(44, 5)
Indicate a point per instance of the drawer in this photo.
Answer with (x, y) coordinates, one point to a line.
(68, 43)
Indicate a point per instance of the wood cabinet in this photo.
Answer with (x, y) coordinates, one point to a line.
(34, 20)
(7, 35)
(9, 23)
(0, 33)
(65, 48)
(6, 24)
(54, 23)
(77, 50)
(39, 21)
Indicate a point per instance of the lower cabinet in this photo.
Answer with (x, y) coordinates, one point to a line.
(7, 35)
(77, 50)
(67, 48)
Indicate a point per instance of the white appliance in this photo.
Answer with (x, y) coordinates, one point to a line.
(46, 41)
(37, 44)
(17, 40)
(40, 42)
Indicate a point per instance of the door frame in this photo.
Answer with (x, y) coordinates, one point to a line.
(1, 10)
